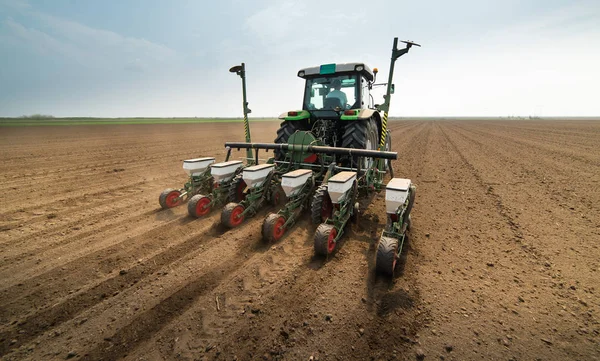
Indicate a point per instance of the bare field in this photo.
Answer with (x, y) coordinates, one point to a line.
(502, 264)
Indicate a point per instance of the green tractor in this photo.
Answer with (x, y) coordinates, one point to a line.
(339, 110)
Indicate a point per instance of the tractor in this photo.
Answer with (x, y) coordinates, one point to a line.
(339, 110)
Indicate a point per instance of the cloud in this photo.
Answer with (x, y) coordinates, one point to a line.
(135, 66)
(275, 23)
(18, 5)
(81, 44)
(564, 22)
(303, 26)
(38, 41)
(98, 40)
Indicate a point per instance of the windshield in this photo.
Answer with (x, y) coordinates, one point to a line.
(331, 92)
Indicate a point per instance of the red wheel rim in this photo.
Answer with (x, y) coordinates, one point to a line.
(331, 240)
(239, 192)
(326, 208)
(203, 206)
(278, 228)
(236, 218)
(171, 199)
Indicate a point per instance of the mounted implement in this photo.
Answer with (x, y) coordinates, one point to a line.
(224, 189)
(298, 186)
(261, 186)
(399, 200)
(200, 180)
(332, 204)
(327, 156)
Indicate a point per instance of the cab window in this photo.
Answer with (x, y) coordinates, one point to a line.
(318, 89)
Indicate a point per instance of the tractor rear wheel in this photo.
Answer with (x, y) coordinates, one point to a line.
(286, 129)
(236, 189)
(199, 206)
(360, 134)
(388, 148)
(169, 198)
(387, 255)
(321, 207)
(273, 228)
(232, 216)
(325, 239)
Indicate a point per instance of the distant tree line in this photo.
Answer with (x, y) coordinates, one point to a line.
(37, 116)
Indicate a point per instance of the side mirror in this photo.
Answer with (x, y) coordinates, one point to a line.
(392, 89)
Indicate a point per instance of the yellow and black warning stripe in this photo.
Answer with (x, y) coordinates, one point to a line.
(383, 131)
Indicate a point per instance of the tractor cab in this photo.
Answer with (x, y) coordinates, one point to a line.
(336, 87)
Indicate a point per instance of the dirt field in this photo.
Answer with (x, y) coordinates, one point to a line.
(503, 261)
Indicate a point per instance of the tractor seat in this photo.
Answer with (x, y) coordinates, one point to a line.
(332, 103)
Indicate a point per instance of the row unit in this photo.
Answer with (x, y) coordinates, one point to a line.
(254, 176)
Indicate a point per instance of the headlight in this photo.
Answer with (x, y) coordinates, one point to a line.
(359, 68)
(301, 74)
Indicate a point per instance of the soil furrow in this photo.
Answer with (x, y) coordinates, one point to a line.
(501, 261)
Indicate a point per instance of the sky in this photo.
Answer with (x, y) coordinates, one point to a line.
(154, 58)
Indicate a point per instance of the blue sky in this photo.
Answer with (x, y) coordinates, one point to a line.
(171, 58)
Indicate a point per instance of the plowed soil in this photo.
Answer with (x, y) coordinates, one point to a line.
(502, 263)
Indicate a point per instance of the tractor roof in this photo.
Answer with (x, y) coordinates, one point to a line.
(329, 69)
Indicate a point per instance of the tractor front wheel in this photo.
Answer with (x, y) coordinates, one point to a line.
(199, 206)
(325, 239)
(232, 216)
(273, 228)
(387, 256)
(169, 198)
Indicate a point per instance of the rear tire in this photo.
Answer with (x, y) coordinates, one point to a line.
(169, 198)
(236, 189)
(286, 129)
(199, 206)
(360, 134)
(387, 256)
(321, 207)
(272, 229)
(324, 239)
(231, 216)
(388, 148)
